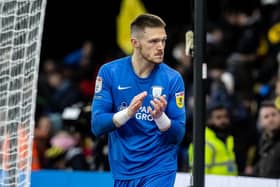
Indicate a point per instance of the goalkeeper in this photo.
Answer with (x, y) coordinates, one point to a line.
(139, 103)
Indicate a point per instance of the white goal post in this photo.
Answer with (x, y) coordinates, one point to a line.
(21, 26)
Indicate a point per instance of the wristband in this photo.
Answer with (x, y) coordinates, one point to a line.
(163, 122)
(121, 117)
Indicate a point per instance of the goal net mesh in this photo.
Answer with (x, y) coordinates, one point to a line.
(21, 25)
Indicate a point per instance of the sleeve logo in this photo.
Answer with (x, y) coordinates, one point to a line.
(180, 97)
(98, 84)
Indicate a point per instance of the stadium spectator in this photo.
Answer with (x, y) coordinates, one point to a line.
(64, 93)
(139, 103)
(219, 143)
(48, 67)
(269, 147)
(83, 69)
(42, 134)
(66, 153)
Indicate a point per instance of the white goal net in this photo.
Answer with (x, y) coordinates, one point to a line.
(21, 25)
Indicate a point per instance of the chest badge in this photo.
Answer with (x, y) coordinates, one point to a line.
(156, 91)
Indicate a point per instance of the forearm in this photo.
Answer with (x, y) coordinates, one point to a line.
(176, 132)
(102, 123)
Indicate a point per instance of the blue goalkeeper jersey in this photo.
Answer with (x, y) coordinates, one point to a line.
(138, 148)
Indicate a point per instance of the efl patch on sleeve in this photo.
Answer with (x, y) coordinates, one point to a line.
(98, 84)
(180, 97)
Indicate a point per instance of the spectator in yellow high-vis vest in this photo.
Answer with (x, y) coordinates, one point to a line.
(219, 144)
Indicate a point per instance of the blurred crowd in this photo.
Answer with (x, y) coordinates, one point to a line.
(242, 55)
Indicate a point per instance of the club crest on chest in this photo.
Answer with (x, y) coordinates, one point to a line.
(156, 91)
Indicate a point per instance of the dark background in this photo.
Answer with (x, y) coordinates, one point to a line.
(69, 23)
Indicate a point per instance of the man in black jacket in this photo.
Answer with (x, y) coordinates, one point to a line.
(268, 164)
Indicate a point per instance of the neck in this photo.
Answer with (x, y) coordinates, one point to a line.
(141, 66)
(272, 133)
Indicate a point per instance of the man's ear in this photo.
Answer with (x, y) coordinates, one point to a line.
(134, 42)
